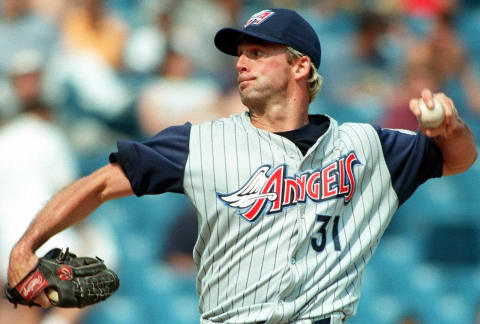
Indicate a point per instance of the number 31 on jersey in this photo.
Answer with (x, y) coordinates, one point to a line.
(319, 239)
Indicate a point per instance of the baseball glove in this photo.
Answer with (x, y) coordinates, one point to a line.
(69, 281)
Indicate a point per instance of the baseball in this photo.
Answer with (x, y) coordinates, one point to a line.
(52, 294)
(431, 118)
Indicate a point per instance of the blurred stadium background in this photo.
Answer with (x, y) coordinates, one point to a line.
(94, 71)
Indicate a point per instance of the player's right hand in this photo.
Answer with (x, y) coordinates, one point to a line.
(452, 123)
(22, 261)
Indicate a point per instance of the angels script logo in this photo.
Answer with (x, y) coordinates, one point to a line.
(273, 190)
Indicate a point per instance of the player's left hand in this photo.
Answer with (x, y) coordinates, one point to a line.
(22, 261)
(71, 281)
(452, 122)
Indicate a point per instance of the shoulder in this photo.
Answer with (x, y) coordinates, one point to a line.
(230, 121)
(393, 131)
(390, 137)
(356, 126)
(358, 131)
(383, 134)
(391, 140)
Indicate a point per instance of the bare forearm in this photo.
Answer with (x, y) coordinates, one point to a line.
(68, 207)
(75, 203)
(458, 149)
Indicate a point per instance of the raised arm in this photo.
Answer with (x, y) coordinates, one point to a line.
(67, 207)
(454, 137)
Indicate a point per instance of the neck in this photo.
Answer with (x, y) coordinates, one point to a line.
(281, 117)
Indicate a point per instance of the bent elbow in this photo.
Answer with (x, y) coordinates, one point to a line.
(111, 183)
(456, 168)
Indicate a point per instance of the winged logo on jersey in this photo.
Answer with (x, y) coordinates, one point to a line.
(250, 192)
(273, 189)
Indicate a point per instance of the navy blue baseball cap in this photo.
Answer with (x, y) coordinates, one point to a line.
(277, 25)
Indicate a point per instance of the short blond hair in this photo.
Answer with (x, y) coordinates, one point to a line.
(315, 80)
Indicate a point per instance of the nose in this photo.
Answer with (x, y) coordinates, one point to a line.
(241, 65)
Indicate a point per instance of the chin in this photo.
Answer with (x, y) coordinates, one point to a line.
(251, 101)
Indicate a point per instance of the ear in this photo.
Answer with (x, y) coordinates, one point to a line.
(301, 68)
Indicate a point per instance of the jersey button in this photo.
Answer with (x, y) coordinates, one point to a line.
(293, 261)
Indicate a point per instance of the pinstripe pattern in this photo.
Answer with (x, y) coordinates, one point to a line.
(266, 269)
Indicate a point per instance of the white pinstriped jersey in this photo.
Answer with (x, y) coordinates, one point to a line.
(321, 216)
(283, 237)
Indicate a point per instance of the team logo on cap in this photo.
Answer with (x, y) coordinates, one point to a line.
(259, 17)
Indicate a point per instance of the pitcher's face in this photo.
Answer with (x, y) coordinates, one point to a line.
(263, 71)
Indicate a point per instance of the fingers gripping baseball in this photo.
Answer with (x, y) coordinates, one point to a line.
(436, 113)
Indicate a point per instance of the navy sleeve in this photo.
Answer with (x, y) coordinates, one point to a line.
(412, 158)
(158, 164)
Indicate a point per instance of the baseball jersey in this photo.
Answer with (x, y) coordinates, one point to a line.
(283, 236)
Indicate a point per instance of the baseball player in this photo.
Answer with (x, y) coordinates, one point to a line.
(290, 206)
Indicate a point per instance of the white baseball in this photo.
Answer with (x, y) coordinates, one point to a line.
(431, 118)
(52, 294)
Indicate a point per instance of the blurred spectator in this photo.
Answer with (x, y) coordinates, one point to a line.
(181, 241)
(450, 56)
(91, 28)
(8, 105)
(36, 162)
(444, 50)
(147, 44)
(427, 8)
(438, 61)
(416, 78)
(194, 24)
(94, 96)
(232, 7)
(85, 76)
(52, 10)
(177, 96)
(361, 76)
(32, 147)
(187, 80)
(145, 50)
(22, 29)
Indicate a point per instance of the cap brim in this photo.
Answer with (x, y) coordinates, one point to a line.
(226, 39)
